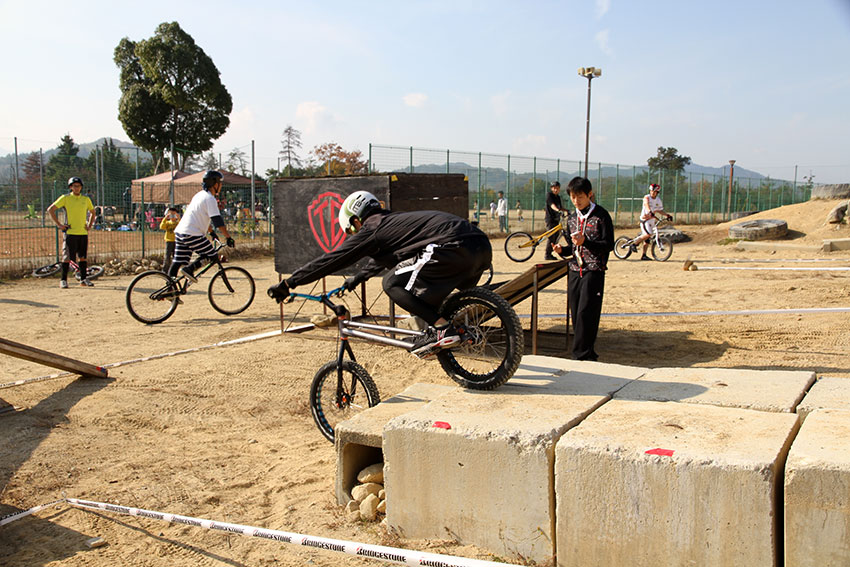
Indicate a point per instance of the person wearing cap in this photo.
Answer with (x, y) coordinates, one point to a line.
(190, 235)
(79, 218)
(651, 208)
(426, 256)
(168, 223)
(554, 208)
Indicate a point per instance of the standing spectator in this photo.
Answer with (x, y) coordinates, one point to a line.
(502, 211)
(127, 202)
(591, 241)
(554, 208)
(492, 210)
(518, 210)
(168, 223)
(79, 216)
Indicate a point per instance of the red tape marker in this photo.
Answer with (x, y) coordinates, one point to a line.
(662, 452)
(441, 425)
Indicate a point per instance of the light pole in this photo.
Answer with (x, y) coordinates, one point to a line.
(729, 197)
(589, 73)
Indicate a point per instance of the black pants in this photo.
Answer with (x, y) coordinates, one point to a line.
(586, 293)
(419, 285)
(554, 238)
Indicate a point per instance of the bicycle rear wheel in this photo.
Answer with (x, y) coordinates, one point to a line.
(93, 272)
(330, 407)
(662, 249)
(151, 297)
(45, 271)
(623, 248)
(231, 290)
(520, 246)
(493, 352)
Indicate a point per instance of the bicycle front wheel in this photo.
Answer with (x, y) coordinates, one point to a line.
(45, 271)
(623, 248)
(330, 405)
(662, 248)
(520, 246)
(231, 290)
(93, 272)
(492, 352)
(151, 297)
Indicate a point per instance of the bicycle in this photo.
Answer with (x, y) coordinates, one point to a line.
(662, 245)
(484, 361)
(520, 246)
(153, 296)
(92, 272)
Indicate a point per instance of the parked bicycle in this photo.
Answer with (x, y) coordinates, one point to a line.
(92, 272)
(662, 245)
(485, 360)
(153, 296)
(520, 246)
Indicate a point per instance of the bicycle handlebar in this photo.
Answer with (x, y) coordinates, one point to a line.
(320, 298)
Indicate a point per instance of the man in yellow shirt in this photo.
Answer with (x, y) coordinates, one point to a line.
(168, 224)
(79, 218)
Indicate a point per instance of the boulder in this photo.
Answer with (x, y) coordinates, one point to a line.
(361, 491)
(372, 473)
(369, 508)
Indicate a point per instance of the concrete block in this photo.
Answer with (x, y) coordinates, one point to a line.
(477, 466)
(817, 492)
(558, 366)
(827, 393)
(654, 484)
(763, 390)
(358, 440)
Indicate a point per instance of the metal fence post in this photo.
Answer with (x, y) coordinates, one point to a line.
(141, 219)
(632, 216)
(411, 159)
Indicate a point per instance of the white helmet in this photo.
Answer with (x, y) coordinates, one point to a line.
(359, 204)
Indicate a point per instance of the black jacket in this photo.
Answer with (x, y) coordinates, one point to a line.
(598, 240)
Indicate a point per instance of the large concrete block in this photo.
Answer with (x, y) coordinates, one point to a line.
(817, 492)
(828, 393)
(763, 390)
(358, 440)
(654, 484)
(477, 466)
(558, 366)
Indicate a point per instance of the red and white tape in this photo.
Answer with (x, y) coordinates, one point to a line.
(365, 550)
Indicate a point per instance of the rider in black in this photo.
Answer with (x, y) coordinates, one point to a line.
(430, 254)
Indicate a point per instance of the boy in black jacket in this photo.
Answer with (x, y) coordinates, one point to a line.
(591, 241)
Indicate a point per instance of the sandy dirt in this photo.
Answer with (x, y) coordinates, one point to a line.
(226, 433)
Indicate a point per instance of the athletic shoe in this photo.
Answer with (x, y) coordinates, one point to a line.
(645, 257)
(86, 283)
(433, 340)
(63, 284)
(633, 248)
(188, 274)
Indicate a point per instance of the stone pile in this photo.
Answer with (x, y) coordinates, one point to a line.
(368, 498)
(128, 266)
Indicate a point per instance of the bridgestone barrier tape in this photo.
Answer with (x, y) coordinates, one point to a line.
(9, 518)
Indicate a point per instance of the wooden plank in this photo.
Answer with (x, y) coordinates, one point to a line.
(53, 360)
(522, 287)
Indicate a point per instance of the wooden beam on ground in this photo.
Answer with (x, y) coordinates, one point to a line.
(51, 359)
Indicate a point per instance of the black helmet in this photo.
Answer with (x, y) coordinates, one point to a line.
(73, 180)
(555, 184)
(210, 178)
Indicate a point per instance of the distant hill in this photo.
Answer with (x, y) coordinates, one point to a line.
(7, 161)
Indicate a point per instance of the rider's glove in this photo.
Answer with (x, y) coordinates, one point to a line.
(351, 283)
(214, 234)
(230, 242)
(669, 217)
(279, 291)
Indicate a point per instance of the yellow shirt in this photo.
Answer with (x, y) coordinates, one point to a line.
(168, 226)
(76, 208)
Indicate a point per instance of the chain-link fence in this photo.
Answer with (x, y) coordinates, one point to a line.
(694, 198)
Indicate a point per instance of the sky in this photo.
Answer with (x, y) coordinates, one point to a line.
(764, 83)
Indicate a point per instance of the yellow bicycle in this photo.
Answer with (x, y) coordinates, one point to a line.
(520, 246)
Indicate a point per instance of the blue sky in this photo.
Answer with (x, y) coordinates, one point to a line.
(765, 83)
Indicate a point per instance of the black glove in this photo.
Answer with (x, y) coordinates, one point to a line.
(214, 235)
(351, 283)
(669, 217)
(279, 292)
(230, 242)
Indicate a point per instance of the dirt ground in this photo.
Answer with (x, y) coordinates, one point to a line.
(226, 433)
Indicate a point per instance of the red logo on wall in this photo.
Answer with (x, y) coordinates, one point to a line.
(323, 213)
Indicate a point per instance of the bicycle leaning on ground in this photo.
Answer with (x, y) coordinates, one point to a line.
(662, 245)
(153, 296)
(92, 272)
(520, 246)
(485, 360)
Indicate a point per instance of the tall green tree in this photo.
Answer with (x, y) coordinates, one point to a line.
(65, 162)
(172, 96)
(115, 163)
(668, 159)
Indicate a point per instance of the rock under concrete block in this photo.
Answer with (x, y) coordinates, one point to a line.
(827, 393)
(655, 484)
(817, 492)
(358, 440)
(477, 466)
(763, 390)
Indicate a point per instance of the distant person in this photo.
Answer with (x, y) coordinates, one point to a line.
(591, 241)
(518, 210)
(651, 208)
(191, 232)
(492, 210)
(127, 202)
(168, 223)
(554, 208)
(502, 211)
(79, 215)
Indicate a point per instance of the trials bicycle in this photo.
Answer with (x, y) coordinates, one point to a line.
(92, 272)
(153, 296)
(484, 361)
(520, 246)
(662, 245)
